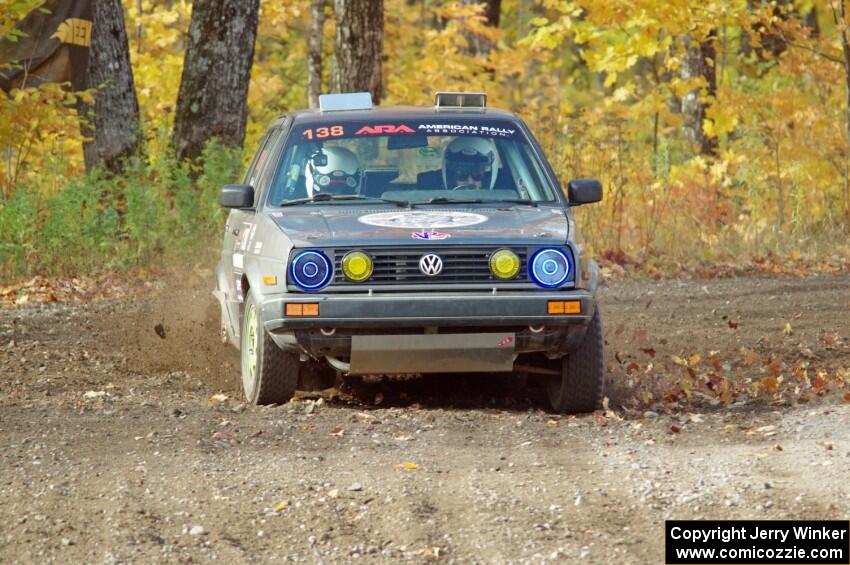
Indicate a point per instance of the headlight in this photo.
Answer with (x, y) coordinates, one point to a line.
(357, 266)
(310, 270)
(549, 267)
(504, 264)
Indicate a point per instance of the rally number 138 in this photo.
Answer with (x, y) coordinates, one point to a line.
(321, 133)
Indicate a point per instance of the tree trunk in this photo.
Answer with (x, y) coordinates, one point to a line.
(841, 20)
(476, 44)
(493, 12)
(699, 61)
(314, 51)
(358, 47)
(212, 101)
(810, 20)
(113, 121)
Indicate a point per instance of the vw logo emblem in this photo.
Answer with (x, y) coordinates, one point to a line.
(431, 265)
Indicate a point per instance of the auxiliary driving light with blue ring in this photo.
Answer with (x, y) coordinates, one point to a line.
(549, 267)
(310, 270)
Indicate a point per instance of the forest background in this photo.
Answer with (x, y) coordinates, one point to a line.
(720, 129)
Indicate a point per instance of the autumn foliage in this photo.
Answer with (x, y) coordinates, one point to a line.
(606, 86)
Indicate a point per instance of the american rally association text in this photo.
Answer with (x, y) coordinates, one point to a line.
(726, 534)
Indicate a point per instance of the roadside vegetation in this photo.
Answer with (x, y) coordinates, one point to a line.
(720, 130)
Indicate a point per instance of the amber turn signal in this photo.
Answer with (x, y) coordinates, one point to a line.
(564, 307)
(302, 309)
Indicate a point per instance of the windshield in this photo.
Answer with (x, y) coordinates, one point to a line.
(442, 160)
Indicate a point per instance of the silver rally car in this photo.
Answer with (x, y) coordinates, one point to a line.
(409, 240)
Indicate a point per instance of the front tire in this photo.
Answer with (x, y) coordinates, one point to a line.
(581, 384)
(269, 374)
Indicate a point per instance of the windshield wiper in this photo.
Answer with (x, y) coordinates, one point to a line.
(325, 197)
(444, 200)
(526, 201)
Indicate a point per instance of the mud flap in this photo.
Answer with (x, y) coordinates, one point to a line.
(228, 333)
(432, 353)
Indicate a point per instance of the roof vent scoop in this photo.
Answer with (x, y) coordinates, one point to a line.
(455, 100)
(345, 101)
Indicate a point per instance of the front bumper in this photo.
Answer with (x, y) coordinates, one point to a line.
(406, 332)
(415, 310)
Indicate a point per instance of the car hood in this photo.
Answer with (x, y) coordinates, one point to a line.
(330, 226)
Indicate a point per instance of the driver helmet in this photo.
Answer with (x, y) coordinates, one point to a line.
(470, 157)
(340, 174)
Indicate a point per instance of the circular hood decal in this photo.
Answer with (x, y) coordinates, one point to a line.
(422, 219)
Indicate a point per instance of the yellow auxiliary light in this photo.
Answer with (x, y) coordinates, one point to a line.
(504, 264)
(357, 266)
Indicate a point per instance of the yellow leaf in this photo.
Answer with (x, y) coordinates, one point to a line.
(679, 361)
(279, 506)
(409, 465)
(694, 359)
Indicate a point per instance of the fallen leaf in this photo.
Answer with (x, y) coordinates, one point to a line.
(847, 397)
(675, 429)
(94, 394)
(408, 465)
(219, 397)
(338, 431)
(279, 506)
(606, 407)
(829, 339)
(694, 359)
(732, 325)
(679, 361)
(778, 447)
(648, 350)
(770, 384)
(788, 330)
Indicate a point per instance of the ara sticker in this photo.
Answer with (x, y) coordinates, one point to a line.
(383, 129)
(423, 220)
(465, 129)
(429, 235)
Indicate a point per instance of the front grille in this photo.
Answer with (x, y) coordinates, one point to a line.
(400, 265)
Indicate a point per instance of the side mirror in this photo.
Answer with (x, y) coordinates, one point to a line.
(584, 191)
(237, 196)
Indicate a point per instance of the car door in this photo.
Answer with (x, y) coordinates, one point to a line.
(237, 231)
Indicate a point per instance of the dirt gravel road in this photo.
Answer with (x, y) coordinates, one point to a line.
(113, 447)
